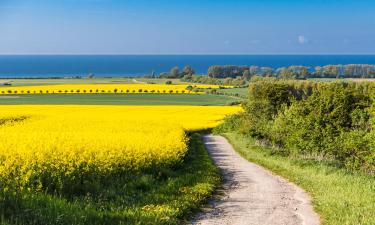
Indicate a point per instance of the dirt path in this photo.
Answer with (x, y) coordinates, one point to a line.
(138, 82)
(253, 196)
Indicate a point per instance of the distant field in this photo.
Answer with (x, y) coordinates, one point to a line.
(97, 165)
(239, 91)
(117, 99)
(119, 80)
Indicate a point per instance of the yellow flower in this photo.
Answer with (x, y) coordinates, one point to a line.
(61, 145)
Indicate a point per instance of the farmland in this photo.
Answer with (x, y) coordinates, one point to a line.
(107, 88)
(97, 80)
(117, 99)
(81, 160)
(110, 91)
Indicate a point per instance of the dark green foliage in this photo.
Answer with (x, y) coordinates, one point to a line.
(226, 71)
(237, 82)
(325, 121)
(188, 71)
(295, 72)
(175, 72)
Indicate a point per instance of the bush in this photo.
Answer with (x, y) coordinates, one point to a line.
(317, 120)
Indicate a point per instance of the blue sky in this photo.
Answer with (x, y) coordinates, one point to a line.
(187, 27)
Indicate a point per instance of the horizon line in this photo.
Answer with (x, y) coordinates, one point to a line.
(186, 54)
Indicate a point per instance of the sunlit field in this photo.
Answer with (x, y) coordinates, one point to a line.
(108, 88)
(79, 151)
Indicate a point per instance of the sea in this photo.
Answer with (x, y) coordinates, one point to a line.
(47, 66)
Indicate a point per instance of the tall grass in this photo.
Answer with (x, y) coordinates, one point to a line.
(340, 197)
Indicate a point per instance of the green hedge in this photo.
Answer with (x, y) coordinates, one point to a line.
(326, 121)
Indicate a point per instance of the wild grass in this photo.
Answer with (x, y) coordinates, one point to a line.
(339, 196)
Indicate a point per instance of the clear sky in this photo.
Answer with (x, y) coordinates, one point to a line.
(187, 26)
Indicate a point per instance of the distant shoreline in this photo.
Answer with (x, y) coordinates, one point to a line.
(58, 66)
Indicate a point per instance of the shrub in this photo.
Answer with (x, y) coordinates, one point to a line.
(318, 120)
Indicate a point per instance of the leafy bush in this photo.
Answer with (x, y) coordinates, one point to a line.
(330, 121)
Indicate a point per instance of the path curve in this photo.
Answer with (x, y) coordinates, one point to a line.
(253, 195)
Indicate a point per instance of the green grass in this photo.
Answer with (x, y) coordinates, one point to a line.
(116, 99)
(160, 81)
(339, 196)
(165, 196)
(239, 91)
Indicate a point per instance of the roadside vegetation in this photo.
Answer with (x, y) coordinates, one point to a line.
(339, 196)
(318, 135)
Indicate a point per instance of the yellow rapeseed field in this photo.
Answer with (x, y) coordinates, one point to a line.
(105, 88)
(62, 148)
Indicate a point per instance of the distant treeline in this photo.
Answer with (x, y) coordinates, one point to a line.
(291, 72)
(295, 72)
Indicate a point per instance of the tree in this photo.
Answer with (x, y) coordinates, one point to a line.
(175, 72)
(318, 71)
(189, 88)
(164, 75)
(299, 71)
(331, 71)
(266, 71)
(246, 74)
(188, 71)
(285, 73)
(253, 70)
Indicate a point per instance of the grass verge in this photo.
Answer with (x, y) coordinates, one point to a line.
(166, 196)
(339, 196)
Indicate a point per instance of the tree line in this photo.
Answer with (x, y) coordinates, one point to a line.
(295, 72)
(291, 72)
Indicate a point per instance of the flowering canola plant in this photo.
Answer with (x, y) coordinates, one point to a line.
(64, 149)
(107, 88)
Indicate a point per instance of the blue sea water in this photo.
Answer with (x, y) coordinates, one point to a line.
(139, 65)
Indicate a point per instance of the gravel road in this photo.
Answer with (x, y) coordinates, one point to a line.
(253, 195)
